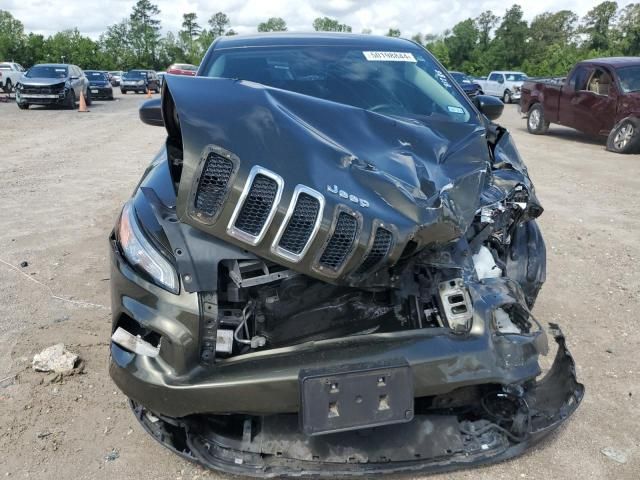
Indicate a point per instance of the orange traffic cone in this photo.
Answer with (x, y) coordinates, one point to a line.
(83, 103)
(148, 93)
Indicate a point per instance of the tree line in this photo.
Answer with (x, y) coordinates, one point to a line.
(548, 45)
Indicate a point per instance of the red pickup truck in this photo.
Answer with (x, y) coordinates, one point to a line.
(599, 97)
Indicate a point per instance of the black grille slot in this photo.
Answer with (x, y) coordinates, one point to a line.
(300, 226)
(213, 184)
(257, 205)
(55, 89)
(379, 250)
(341, 242)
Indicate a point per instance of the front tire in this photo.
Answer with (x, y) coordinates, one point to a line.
(8, 87)
(70, 101)
(625, 137)
(536, 123)
(23, 106)
(506, 97)
(124, 92)
(87, 98)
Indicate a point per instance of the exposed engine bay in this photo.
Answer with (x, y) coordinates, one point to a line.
(331, 279)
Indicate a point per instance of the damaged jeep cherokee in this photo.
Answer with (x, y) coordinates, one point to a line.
(329, 268)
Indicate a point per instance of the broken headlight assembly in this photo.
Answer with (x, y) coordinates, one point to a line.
(141, 254)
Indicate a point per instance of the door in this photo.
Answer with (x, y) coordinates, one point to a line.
(577, 82)
(494, 83)
(76, 80)
(594, 107)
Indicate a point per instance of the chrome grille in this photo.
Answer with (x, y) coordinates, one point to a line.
(341, 242)
(213, 184)
(301, 225)
(379, 250)
(257, 206)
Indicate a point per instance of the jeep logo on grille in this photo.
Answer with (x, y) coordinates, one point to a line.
(347, 196)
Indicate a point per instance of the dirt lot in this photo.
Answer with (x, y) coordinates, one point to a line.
(64, 177)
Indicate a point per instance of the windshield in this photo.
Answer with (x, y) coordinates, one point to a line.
(460, 77)
(515, 77)
(405, 83)
(96, 76)
(629, 78)
(41, 71)
(136, 74)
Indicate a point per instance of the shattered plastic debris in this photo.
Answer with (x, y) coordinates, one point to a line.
(112, 455)
(614, 454)
(55, 359)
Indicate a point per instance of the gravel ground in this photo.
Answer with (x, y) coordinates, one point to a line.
(64, 177)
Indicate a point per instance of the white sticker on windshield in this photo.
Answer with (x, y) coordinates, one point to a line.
(60, 70)
(390, 57)
(453, 109)
(442, 78)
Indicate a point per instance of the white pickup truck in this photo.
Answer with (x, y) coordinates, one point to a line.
(10, 74)
(503, 84)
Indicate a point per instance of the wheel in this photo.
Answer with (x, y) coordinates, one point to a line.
(87, 98)
(124, 92)
(536, 124)
(506, 97)
(480, 92)
(70, 101)
(8, 87)
(23, 106)
(625, 136)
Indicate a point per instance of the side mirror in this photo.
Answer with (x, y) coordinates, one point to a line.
(75, 77)
(501, 80)
(490, 107)
(151, 112)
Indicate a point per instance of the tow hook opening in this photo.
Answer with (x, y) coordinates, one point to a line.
(134, 338)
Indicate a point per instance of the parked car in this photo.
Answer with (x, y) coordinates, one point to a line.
(503, 84)
(333, 238)
(470, 87)
(182, 69)
(139, 81)
(599, 97)
(161, 77)
(99, 84)
(116, 77)
(10, 74)
(52, 84)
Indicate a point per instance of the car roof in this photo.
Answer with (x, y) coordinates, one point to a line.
(615, 61)
(311, 39)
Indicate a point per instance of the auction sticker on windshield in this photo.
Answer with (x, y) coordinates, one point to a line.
(390, 57)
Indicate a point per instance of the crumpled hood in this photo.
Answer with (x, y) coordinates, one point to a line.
(42, 82)
(423, 179)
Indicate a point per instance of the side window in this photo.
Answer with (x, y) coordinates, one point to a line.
(600, 82)
(579, 78)
(494, 77)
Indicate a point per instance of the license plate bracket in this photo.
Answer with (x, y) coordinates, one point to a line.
(353, 397)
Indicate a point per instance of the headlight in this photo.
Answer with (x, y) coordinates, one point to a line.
(140, 82)
(142, 254)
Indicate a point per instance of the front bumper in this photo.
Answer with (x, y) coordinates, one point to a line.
(101, 92)
(133, 88)
(41, 98)
(273, 447)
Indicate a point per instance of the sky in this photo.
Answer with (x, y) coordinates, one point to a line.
(92, 17)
